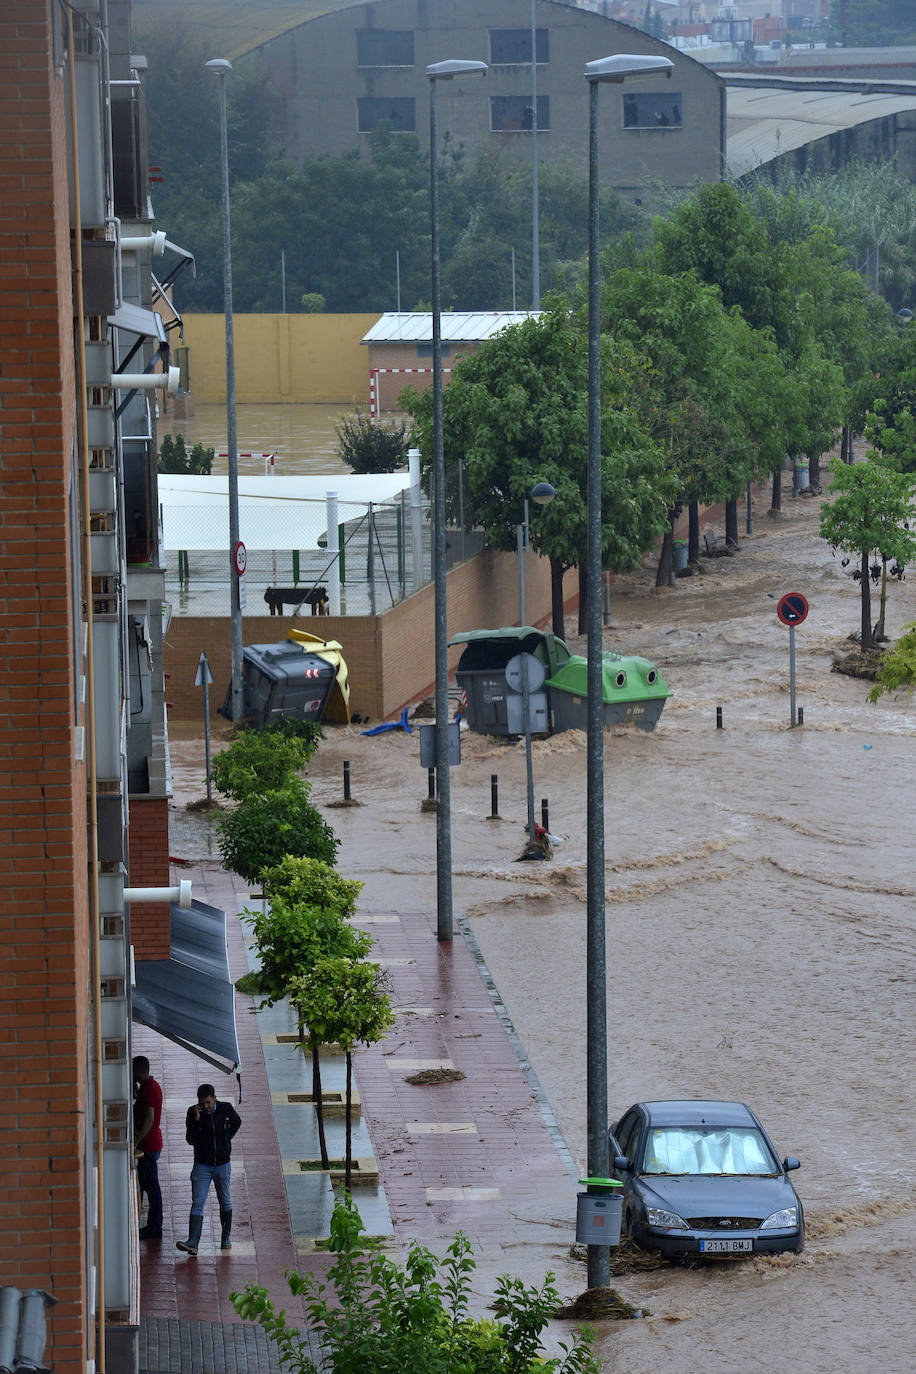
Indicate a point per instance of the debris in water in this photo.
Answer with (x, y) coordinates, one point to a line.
(601, 1304)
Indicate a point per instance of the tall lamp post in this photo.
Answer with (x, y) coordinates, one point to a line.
(221, 67)
(535, 197)
(441, 71)
(605, 69)
(542, 494)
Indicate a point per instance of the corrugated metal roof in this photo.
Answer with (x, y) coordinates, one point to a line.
(238, 28)
(848, 57)
(765, 122)
(457, 326)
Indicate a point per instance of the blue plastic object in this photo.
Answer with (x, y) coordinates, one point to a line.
(391, 725)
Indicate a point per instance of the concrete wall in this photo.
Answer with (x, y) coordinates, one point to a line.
(281, 358)
(391, 657)
(315, 84)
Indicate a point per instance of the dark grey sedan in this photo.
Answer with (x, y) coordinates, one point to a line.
(703, 1178)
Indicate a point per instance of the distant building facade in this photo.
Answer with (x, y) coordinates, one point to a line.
(335, 78)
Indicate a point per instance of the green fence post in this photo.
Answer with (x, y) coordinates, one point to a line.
(295, 567)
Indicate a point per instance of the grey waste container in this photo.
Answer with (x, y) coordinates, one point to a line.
(481, 673)
(679, 554)
(599, 1214)
(281, 680)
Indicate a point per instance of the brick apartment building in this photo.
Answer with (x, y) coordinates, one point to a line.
(83, 797)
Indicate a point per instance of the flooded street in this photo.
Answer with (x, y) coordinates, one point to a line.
(760, 933)
(302, 437)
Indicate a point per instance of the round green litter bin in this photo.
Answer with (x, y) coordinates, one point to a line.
(599, 1212)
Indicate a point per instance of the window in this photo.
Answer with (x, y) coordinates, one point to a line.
(646, 110)
(511, 114)
(384, 48)
(512, 47)
(398, 110)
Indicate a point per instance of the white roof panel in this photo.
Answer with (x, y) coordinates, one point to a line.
(456, 326)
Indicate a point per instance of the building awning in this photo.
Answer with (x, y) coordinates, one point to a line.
(139, 321)
(190, 998)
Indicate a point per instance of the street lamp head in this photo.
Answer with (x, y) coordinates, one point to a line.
(454, 66)
(220, 66)
(543, 493)
(622, 65)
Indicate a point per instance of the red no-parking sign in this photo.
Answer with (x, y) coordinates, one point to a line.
(792, 608)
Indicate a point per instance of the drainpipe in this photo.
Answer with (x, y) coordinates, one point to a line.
(180, 894)
(92, 780)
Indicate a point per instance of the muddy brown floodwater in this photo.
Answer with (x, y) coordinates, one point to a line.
(760, 889)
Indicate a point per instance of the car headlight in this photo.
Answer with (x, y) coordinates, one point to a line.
(657, 1216)
(778, 1221)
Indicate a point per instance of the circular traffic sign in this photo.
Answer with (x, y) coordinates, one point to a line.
(240, 558)
(792, 608)
(536, 672)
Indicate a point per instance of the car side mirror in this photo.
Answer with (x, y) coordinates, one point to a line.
(790, 1163)
(621, 1163)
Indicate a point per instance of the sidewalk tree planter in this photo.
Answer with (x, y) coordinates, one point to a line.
(341, 1001)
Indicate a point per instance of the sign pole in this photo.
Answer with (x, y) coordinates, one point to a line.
(791, 677)
(203, 679)
(792, 610)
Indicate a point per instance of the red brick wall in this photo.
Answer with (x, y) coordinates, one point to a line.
(150, 924)
(43, 862)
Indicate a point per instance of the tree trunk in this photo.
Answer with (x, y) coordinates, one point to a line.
(867, 636)
(776, 502)
(557, 569)
(583, 599)
(663, 572)
(814, 471)
(878, 632)
(693, 532)
(731, 523)
(319, 1108)
(348, 1153)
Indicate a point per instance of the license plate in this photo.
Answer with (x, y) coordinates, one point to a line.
(725, 1247)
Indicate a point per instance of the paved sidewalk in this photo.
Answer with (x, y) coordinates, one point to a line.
(477, 1155)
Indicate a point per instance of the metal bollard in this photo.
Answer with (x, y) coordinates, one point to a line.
(719, 725)
(801, 715)
(544, 816)
(346, 779)
(494, 797)
(431, 772)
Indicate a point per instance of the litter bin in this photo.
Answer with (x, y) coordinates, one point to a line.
(599, 1212)
(281, 680)
(800, 477)
(679, 555)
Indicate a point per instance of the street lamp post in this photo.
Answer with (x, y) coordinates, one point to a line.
(441, 71)
(542, 494)
(535, 197)
(606, 69)
(221, 68)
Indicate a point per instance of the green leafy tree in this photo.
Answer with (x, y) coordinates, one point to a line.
(305, 922)
(897, 671)
(516, 413)
(174, 457)
(257, 762)
(868, 513)
(376, 1316)
(369, 446)
(340, 1001)
(264, 828)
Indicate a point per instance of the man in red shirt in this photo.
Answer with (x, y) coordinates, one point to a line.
(148, 1139)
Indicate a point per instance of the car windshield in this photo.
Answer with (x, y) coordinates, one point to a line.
(707, 1150)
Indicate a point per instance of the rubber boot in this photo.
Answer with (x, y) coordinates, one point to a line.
(195, 1226)
(226, 1222)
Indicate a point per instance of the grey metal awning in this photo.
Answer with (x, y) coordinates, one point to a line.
(190, 998)
(139, 321)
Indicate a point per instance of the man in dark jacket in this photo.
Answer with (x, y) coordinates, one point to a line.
(209, 1128)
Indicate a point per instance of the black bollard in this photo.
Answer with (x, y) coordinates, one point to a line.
(346, 779)
(494, 797)
(432, 784)
(719, 718)
(544, 820)
(801, 715)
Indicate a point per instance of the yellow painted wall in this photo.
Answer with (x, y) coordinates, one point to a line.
(281, 358)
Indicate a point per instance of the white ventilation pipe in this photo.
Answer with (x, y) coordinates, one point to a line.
(155, 241)
(180, 894)
(147, 381)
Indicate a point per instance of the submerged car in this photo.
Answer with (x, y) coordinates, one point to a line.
(703, 1178)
